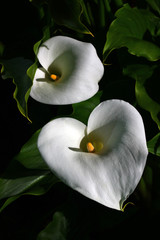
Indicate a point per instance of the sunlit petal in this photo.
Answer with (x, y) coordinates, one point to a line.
(77, 67)
(103, 161)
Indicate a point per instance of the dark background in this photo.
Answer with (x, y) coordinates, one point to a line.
(26, 217)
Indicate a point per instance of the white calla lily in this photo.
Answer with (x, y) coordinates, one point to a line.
(70, 71)
(103, 161)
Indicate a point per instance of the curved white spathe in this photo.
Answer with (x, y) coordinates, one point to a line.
(77, 66)
(110, 173)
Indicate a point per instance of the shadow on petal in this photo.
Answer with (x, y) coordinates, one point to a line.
(43, 45)
(109, 135)
(64, 65)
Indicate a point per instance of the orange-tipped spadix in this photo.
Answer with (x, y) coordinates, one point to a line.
(90, 147)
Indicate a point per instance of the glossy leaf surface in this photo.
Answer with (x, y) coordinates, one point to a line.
(128, 30)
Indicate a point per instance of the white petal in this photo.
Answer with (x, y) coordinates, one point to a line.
(120, 128)
(59, 145)
(79, 68)
(110, 176)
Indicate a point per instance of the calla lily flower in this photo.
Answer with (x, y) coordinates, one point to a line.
(104, 160)
(70, 71)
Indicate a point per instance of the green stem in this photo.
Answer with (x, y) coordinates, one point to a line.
(107, 6)
(108, 9)
(85, 12)
(90, 14)
(102, 17)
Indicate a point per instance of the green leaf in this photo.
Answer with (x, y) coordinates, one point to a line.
(26, 174)
(155, 4)
(82, 110)
(29, 185)
(29, 155)
(140, 73)
(16, 69)
(32, 183)
(8, 202)
(154, 145)
(128, 30)
(55, 230)
(17, 179)
(68, 13)
(147, 103)
(32, 69)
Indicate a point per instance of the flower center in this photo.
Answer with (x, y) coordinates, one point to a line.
(90, 147)
(54, 77)
(94, 147)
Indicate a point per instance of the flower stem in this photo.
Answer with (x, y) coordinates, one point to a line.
(85, 12)
(108, 9)
(102, 17)
(90, 14)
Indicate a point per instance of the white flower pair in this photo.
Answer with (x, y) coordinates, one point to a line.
(104, 160)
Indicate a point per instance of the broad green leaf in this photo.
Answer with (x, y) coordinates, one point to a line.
(29, 155)
(26, 174)
(154, 145)
(128, 30)
(56, 229)
(82, 110)
(17, 179)
(147, 103)
(68, 13)
(16, 69)
(140, 73)
(31, 185)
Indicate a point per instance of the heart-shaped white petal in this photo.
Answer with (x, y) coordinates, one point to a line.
(78, 69)
(110, 173)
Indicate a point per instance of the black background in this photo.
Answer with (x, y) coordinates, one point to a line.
(26, 217)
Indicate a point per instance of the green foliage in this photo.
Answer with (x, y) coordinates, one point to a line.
(128, 30)
(68, 15)
(155, 4)
(26, 174)
(18, 180)
(141, 73)
(29, 155)
(55, 230)
(154, 145)
(16, 69)
(82, 110)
